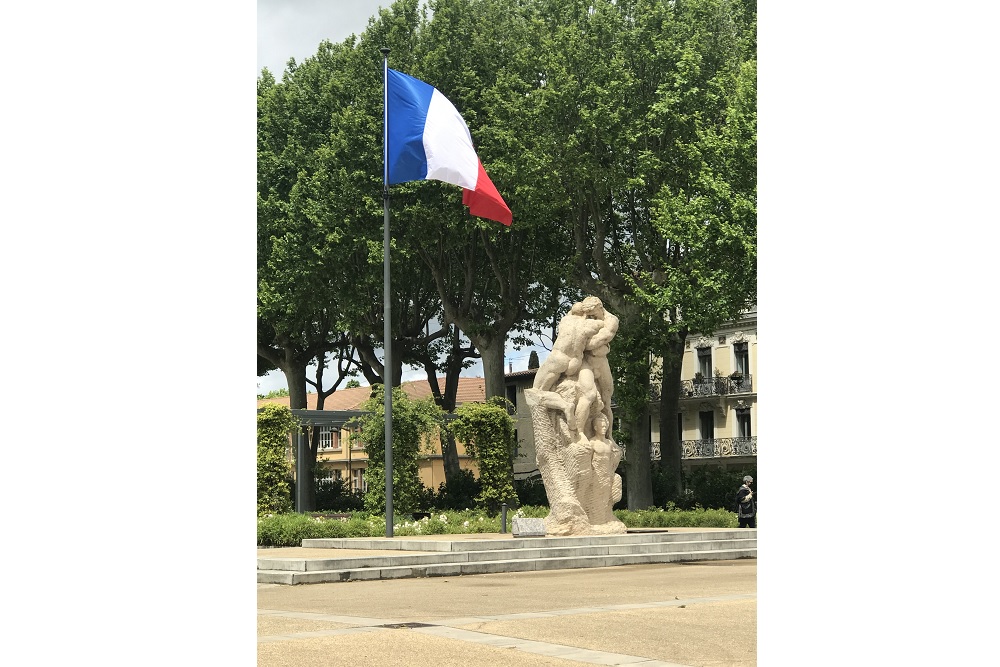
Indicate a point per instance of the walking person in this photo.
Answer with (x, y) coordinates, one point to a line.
(746, 504)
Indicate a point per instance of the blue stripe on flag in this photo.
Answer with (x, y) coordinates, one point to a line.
(408, 100)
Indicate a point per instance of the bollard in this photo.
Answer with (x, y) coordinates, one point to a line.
(503, 517)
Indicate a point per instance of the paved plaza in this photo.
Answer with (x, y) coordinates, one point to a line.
(701, 614)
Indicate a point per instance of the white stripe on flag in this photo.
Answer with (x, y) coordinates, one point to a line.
(448, 145)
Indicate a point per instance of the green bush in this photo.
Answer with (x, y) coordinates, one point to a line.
(335, 495)
(273, 469)
(531, 491)
(460, 493)
(711, 486)
(288, 530)
(487, 430)
(706, 486)
(412, 421)
(673, 517)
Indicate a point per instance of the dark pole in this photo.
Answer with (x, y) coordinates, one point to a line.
(387, 310)
(300, 471)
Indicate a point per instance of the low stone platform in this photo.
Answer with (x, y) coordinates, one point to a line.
(353, 559)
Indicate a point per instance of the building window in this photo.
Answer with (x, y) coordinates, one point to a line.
(707, 423)
(743, 421)
(329, 475)
(329, 438)
(358, 480)
(512, 397)
(705, 361)
(742, 358)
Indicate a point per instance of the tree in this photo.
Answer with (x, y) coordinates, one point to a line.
(487, 430)
(486, 275)
(533, 360)
(413, 421)
(651, 113)
(318, 192)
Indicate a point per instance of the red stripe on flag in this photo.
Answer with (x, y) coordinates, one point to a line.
(485, 201)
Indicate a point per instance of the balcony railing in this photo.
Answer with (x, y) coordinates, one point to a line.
(709, 448)
(714, 448)
(716, 386)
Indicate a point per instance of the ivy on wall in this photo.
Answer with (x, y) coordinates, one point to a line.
(274, 422)
(487, 430)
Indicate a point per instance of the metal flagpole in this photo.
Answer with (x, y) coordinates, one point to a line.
(387, 310)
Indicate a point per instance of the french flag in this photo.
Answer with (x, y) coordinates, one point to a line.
(427, 139)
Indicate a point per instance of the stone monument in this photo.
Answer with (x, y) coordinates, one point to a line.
(570, 404)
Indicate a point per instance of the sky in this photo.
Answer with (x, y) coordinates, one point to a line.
(293, 29)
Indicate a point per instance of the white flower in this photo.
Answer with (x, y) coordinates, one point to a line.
(466, 524)
(444, 518)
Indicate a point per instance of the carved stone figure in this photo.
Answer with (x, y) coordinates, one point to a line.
(570, 403)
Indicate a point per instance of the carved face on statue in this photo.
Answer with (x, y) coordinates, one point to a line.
(600, 426)
(590, 307)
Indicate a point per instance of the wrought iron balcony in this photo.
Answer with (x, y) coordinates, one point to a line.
(708, 448)
(714, 448)
(716, 386)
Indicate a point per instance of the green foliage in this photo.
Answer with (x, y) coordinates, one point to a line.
(335, 495)
(714, 487)
(274, 393)
(274, 422)
(531, 491)
(412, 423)
(288, 530)
(673, 517)
(487, 430)
(459, 493)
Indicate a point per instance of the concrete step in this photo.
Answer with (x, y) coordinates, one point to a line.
(417, 544)
(481, 556)
(523, 553)
(495, 566)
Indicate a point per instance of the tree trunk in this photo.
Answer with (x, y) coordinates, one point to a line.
(638, 481)
(492, 353)
(670, 390)
(449, 455)
(295, 377)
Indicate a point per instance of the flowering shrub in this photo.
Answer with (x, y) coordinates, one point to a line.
(288, 530)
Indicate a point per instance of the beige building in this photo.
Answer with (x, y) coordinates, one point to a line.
(718, 404)
(339, 458)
